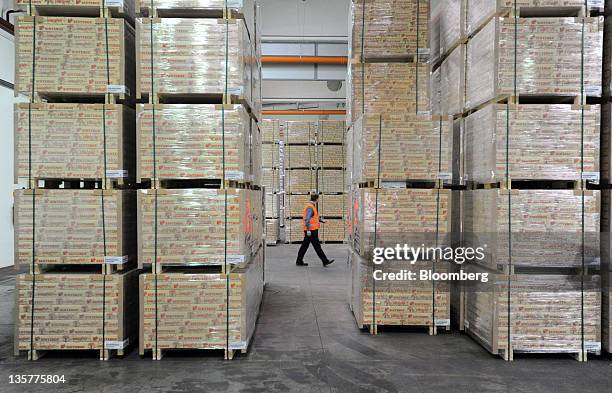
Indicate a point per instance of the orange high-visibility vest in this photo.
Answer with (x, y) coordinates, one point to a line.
(314, 221)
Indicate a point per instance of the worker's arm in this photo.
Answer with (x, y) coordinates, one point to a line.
(309, 215)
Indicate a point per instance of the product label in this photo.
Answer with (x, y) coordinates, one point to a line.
(238, 345)
(234, 175)
(116, 173)
(116, 89)
(442, 322)
(394, 184)
(235, 259)
(233, 3)
(113, 3)
(109, 344)
(466, 324)
(234, 90)
(590, 176)
(445, 176)
(593, 346)
(115, 260)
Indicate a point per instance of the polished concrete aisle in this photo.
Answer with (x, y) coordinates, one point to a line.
(307, 341)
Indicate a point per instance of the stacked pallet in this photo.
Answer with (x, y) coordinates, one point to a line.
(314, 162)
(399, 157)
(201, 310)
(516, 77)
(74, 147)
(201, 223)
(271, 160)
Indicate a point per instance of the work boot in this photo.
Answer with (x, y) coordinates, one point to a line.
(301, 264)
(329, 262)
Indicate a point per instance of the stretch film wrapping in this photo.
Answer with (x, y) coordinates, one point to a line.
(480, 11)
(606, 307)
(390, 216)
(548, 58)
(452, 24)
(540, 142)
(332, 230)
(330, 131)
(270, 179)
(69, 228)
(271, 204)
(299, 132)
(394, 28)
(65, 141)
(434, 31)
(270, 131)
(72, 54)
(270, 155)
(547, 227)
(606, 143)
(190, 141)
(122, 8)
(394, 90)
(192, 227)
(547, 313)
(300, 180)
(417, 148)
(397, 303)
(328, 205)
(330, 156)
(76, 311)
(198, 310)
(294, 230)
(450, 90)
(330, 180)
(300, 156)
(195, 56)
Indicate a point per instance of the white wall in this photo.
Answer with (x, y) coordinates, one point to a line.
(7, 55)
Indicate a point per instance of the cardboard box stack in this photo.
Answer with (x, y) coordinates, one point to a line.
(399, 158)
(314, 159)
(516, 77)
(74, 158)
(200, 225)
(271, 159)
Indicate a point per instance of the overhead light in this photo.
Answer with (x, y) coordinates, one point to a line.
(334, 85)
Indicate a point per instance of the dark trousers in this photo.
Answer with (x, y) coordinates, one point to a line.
(314, 239)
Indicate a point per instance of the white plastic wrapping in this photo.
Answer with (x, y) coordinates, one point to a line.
(452, 24)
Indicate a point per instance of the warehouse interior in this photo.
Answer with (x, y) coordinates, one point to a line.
(159, 157)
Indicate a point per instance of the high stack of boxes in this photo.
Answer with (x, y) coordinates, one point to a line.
(271, 160)
(75, 218)
(400, 162)
(314, 161)
(518, 77)
(200, 224)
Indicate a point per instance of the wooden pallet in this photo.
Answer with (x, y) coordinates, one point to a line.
(104, 354)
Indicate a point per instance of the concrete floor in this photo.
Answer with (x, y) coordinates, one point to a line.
(307, 341)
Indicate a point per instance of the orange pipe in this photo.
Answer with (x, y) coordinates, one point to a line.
(305, 59)
(304, 112)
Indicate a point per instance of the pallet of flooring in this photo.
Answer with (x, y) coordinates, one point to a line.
(606, 308)
(270, 130)
(300, 180)
(272, 200)
(397, 302)
(272, 229)
(71, 57)
(73, 141)
(540, 142)
(330, 180)
(330, 131)
(190, 141)
(545, 313)
(393, 90)
(70, 228)
(452, 24)
(294, 230)
(548, 58)
(255, 164)
(448, 84)
(271, 179)
(398, 216)
(417, 147)
(198, 226)
(332, 230)
(73, 311)
(479, 12)
(434, 31)
(606, 143)
(195, 57)
(546, 227)
(88, 8)
(394, 30)
(330, 156)
(199, 311)
(300, 156)
(607, 57)
(270, 155)
(299, 132)
(329, 205)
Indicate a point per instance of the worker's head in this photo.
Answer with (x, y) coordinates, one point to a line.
(314, 197)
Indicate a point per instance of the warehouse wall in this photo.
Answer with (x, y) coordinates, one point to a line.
(311, 18)
(7, 55)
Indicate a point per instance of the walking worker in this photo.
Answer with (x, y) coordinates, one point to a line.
(312, 223)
